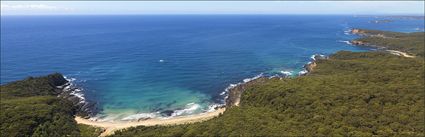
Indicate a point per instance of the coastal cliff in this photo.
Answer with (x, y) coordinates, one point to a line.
(56, 85)
(234, 93)
(41, 106)
(311, 65)
(374, 33)
(358, 31)
(64, 89)
(84, 108)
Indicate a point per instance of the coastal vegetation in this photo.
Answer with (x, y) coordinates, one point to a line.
(405, 42)
(347, 94)
(31, 107)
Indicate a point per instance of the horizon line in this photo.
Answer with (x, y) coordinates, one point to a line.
(380, 14)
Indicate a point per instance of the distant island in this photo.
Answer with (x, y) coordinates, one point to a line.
(379, 19)
(411, 17)
(346, 94)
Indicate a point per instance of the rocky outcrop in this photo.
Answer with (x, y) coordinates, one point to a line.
(85, 109)
(361, 32)
(309, 67)
(370, 33)
(56, 79)
(358, 32)
(358, 42)
(365, 44)
(235, 93)
(65, 89)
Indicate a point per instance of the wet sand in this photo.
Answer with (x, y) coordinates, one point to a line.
(111, 127)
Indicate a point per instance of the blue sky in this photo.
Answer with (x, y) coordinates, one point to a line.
(210, 7)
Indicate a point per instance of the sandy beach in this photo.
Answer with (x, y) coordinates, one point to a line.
(399, 53)
(111, 127)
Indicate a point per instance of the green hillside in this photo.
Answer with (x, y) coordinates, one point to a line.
(30, 108)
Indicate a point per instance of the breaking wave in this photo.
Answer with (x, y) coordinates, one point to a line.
(346, 42)
(189, 109)
(74, 90)
(287, 73)
(140, 116)
(348, 32)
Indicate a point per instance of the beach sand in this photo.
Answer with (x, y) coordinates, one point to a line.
(399, 53)
(111, 127)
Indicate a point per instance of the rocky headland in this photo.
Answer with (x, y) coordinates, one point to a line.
(235, 92)
(65, 89)
(396, 43)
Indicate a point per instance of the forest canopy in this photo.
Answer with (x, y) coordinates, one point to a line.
(31, 107)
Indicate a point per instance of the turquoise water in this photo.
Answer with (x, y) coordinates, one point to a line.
(169, 65)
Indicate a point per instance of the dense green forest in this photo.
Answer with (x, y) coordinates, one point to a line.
(349, 94)
(406, 42)
(31, 107)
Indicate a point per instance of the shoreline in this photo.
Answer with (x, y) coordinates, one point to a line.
(394, 52)
(111, 127)
(363, 33)
(234, 92)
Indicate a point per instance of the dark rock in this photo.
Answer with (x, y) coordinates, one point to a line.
(143, 119)
(166, 113)
(234, 94)
(310, 66)
(56, 79)
(64, 89)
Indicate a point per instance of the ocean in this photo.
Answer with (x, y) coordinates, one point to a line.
(137, 66)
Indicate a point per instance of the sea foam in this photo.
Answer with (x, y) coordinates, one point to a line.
(286, 73)
(346, 42)
(348, 32)
(74, 90)
(189, 109)
(313, 58)
(140, 116)
(253, 78)
(213, 107)
(302, 72)
(226, 91)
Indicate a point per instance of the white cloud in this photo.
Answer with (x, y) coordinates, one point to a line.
(33, 7)
(209, 7)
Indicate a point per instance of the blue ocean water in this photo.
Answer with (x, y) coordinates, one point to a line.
(136, 66)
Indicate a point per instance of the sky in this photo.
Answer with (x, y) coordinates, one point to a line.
(211, 7)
